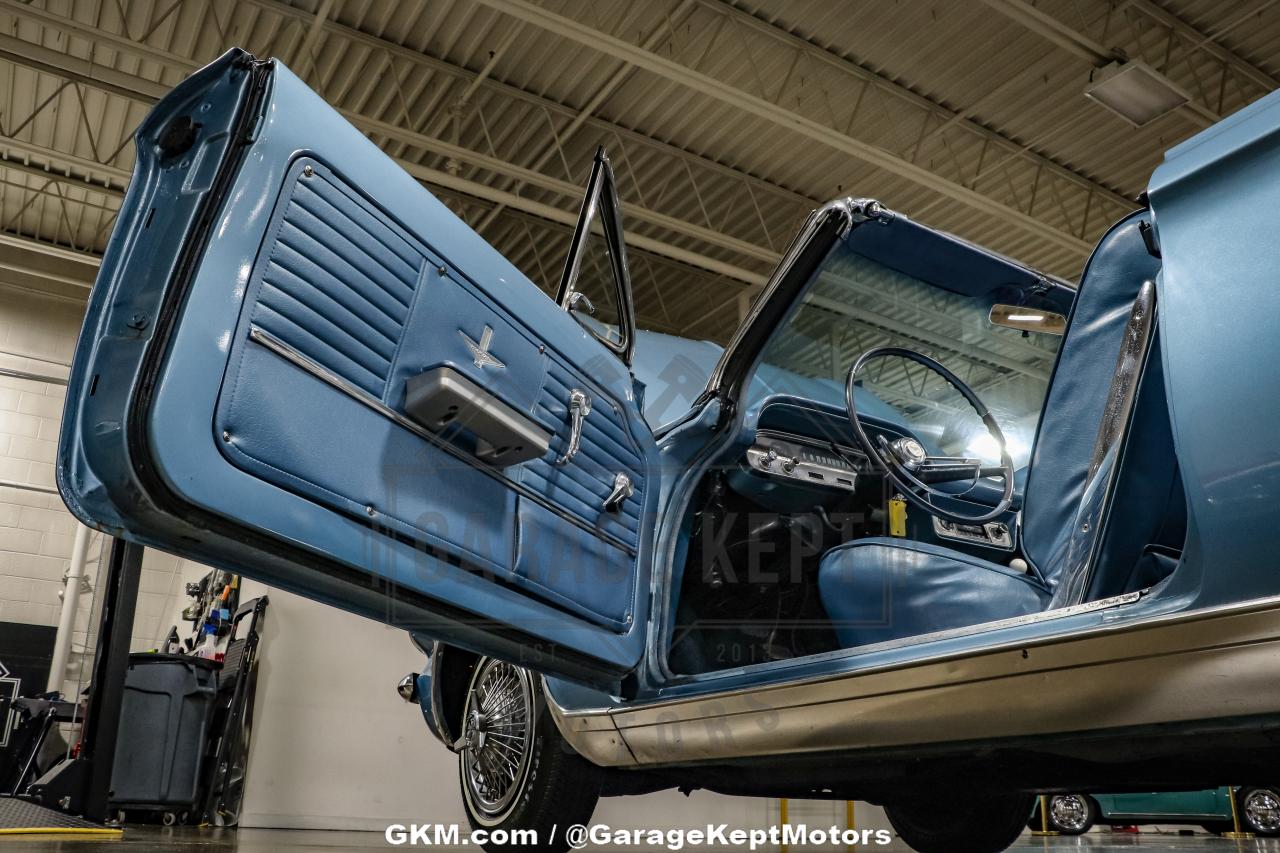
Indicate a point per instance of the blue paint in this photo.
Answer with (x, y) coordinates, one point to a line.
(323, 241)
(244, 461)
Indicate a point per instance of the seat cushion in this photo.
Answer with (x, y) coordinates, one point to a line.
(882, 589)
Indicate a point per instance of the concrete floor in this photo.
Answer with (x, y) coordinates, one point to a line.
(189, 840)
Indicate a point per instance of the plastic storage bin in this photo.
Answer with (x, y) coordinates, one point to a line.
(164, 724)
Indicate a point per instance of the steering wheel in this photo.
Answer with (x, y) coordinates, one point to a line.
(909, 466)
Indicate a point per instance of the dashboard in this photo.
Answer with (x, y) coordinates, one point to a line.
(792, 457)
(799, 453)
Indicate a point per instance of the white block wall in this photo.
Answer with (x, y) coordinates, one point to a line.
(38, 336)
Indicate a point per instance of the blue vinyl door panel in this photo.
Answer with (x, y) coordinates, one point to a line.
(261, 421)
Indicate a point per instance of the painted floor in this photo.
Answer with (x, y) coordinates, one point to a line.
(189, 840)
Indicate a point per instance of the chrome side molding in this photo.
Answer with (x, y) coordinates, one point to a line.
(280, 348)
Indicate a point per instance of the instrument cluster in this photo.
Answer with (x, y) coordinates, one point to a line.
(813, 464)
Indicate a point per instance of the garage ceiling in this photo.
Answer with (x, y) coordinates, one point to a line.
(726, 121)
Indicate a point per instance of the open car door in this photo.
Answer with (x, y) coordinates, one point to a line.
(299, 365)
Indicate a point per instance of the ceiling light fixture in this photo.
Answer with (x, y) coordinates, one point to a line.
(1134, 91)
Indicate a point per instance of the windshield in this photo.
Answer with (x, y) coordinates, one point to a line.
(855, 303)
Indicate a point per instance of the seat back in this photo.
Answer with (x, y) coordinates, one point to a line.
(1146, 524)
(1079, 406)
(1086, 530)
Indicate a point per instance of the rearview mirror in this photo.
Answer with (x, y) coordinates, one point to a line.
(1027, 319)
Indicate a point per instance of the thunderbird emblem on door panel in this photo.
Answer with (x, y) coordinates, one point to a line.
(480, 351)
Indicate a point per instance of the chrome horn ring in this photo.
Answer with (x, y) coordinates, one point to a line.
(497, 738)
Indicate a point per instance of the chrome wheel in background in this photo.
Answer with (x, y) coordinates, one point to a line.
(497, 738)
(1070, 812)
(1260, 810)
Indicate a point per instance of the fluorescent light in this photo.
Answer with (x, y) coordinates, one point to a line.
(1027, 318)
(1134, 91)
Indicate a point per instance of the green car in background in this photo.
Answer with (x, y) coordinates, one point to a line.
(1073, 814)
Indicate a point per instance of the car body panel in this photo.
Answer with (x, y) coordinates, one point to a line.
(1163, 670)
(1214, 198)
(1196, 648)
(275, 424)
(1208, 805)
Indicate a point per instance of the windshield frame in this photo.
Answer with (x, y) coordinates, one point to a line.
(790, 280)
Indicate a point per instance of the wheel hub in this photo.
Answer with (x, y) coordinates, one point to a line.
(475, 734)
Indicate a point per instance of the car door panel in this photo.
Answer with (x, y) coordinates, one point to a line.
(287, 427)
(607, 449)
(581, 573)
(260, 421)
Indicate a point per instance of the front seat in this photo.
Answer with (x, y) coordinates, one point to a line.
(880, 589)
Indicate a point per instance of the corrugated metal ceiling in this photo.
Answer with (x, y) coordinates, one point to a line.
(986, 106)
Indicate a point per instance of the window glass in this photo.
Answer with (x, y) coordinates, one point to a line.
(597, 283)
(855, 303)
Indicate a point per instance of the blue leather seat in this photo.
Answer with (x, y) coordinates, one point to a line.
(880, 589)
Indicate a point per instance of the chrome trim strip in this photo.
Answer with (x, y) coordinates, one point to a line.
(1012, 622)
(593, 735)
(1215, 669)
(1157, 621)
(889, 645)
(1097, 674)
(361, 396)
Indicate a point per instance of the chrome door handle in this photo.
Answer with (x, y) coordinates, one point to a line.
(622, 489)
(579, 408)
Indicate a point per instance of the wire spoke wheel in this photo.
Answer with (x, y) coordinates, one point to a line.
(497, 737)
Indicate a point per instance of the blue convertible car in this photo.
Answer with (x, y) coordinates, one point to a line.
(932, 530)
